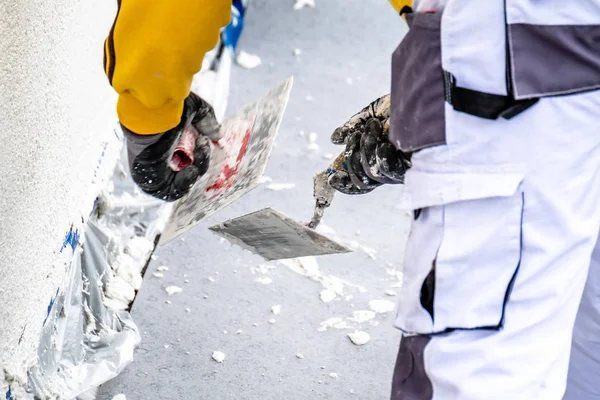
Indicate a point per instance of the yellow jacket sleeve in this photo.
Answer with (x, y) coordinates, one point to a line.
(152, 52)
(400, 4)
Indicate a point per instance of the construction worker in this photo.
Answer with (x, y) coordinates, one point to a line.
(151, 54)
(494, 114)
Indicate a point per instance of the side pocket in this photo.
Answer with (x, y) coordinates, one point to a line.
(417, 97)
(460, 265)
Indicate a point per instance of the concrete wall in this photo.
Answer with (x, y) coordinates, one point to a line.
(56, 109)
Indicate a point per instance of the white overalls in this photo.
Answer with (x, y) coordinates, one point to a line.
(502, 113)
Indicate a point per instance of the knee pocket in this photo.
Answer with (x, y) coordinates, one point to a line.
(460, 265)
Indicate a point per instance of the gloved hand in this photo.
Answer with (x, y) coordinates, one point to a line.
(166, 165)
(370, 160)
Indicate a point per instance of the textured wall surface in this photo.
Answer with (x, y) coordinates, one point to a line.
(56, 108)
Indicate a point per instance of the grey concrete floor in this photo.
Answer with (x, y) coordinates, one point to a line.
(344, 64)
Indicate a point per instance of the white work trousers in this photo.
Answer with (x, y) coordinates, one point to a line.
(507, 215)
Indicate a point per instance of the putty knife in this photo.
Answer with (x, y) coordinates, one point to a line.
(275, 236)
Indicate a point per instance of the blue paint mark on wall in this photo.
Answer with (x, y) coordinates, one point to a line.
(50, 307)
(9, 395)
(71, 239)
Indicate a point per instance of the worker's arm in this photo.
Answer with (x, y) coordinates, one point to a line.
(401, 6)
(150, 56)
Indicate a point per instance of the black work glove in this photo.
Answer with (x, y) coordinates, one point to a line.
(370, 159)
(166, 165)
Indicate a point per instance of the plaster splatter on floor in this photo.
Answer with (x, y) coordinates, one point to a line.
(162, 268)
(276, 309)
(120, 396)
(281, 186)
(172, 289)
(247, 60)
(359, 338)
(265, 179)
(396, 276)
(261, 269)
(326, 230)
(304, 3)
(300, 356)
(391, 293)
(265, 280)
(158, 275)
(312, 147)
(333, 375)
(361, 316)
(218, 356)
(372, 253)
(327, 295)
(334, 322)
(382, 306)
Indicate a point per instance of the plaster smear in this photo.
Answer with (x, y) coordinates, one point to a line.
(264, 280)
(126, 278)
(361, 316)
(308, 267)
(118, 293)
(333, 322)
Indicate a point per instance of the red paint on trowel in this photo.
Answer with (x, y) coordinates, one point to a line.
(229, 172)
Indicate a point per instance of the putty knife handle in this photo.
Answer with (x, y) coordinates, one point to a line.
(323, 192)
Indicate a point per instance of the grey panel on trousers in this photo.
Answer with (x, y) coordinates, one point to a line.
(410, 381)
(554, 59)
(417, 114)
(274, 236)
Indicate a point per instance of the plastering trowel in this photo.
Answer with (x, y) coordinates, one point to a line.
(275, 236)
(238, 160)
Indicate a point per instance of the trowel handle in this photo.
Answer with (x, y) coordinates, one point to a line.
(322, 191)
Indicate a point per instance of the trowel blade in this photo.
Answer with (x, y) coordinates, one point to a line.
(275, 236)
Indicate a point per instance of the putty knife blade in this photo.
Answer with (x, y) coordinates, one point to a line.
(275, 236)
